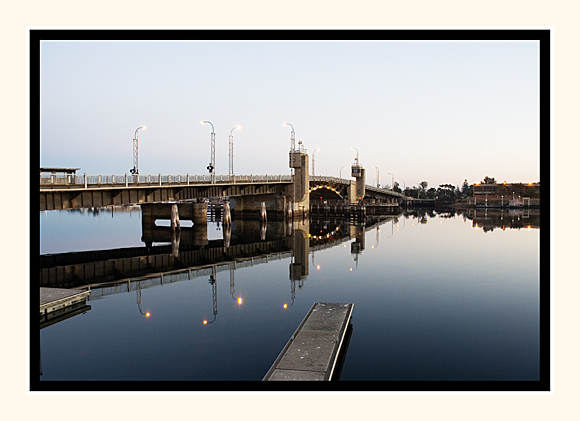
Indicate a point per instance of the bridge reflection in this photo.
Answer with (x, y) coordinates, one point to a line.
(191, 255)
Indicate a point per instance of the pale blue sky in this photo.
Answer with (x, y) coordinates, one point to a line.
(434, 111)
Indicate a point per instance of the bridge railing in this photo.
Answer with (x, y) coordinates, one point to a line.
(90, 180)
(328, 179)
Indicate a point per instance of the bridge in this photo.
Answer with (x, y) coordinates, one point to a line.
(245, 192)
(88, 191)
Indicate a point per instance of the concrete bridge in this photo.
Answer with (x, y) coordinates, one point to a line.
(246, 192)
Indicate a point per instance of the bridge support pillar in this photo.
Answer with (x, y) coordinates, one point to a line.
(358, 172)
(299, 191)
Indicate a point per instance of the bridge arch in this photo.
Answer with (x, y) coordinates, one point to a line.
(329, 189)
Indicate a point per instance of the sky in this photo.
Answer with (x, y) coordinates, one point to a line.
(440, 112)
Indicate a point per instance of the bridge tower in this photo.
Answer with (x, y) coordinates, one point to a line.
(358, 172)
(299, 190)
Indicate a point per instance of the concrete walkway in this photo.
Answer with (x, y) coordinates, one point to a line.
(312, 351)
(52, 299)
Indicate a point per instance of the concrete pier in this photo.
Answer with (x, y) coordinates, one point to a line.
(52, 299)
(312, 351)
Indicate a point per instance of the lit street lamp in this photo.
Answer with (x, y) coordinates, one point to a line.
(135, 169)
(400, 179)
(232, 149)
(211, 166)
(292, 137)
(313, 152)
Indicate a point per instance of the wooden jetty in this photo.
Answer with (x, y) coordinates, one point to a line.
(53, 299)
(312, 352)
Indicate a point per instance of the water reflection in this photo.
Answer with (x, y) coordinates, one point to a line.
(391, 301)
(245, 242)
(191, 255)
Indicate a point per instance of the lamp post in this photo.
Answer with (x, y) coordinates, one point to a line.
(232, 149)
(414, 182)
(356, 162)
(292, 137)
(313, 152)
(135, 169)
(404, 188)
(211, 166)
(340, 172)
(392, 180)
(378, 178)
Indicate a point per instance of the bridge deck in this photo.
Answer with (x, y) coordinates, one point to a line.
(313, 350)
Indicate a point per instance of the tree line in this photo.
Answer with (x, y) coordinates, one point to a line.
(449, 192)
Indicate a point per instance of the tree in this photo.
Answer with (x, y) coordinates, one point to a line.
(488, 180)
(396, 187)
(465, 187)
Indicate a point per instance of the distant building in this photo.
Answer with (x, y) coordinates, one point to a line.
(503, 188)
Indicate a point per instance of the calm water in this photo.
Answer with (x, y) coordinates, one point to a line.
(436, 297)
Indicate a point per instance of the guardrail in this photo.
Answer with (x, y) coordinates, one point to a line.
(87, 180)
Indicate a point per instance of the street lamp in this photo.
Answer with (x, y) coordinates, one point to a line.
(135, 169)
(392, 180)
(400, 179)
(313, 152)
(292, 137)
(378, 178)
(211, 166)
(356, 162)
(340, 172)
(232, 149)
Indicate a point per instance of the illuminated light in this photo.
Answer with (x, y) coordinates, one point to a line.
(144, 127)
(285, 306)
(529, 227)
(205, 322)
(476, 226)
(147, 314)
(318, 267)
(345, 246)
(239, 301)
(351, 269)
(529, 184)
(309, 235)
(372, 247)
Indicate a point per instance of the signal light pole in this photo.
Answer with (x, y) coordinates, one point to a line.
(135, 169)
(211, 166)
